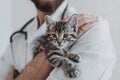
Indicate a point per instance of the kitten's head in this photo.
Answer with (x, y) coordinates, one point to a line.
(62, 34)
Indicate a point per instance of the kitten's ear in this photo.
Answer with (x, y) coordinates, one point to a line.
(73, 22)
(49, 21)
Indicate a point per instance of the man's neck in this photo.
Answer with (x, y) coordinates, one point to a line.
(41, 17)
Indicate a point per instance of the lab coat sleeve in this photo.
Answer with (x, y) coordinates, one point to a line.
(5, 63)
(97, 54)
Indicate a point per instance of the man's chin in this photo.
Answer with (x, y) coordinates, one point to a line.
(47, 8)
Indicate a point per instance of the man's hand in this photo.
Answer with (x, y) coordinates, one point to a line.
(10, 74)
(38, 69)
(85, 22)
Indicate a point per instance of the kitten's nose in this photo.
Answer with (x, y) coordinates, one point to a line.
(59, 43)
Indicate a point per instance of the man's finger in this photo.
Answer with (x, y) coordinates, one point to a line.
(10, 74)
(86, 15)
(84, 21)
(85, 28)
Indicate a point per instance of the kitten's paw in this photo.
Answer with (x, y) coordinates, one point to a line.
(73, 73)
(74, 57)
(55, 62)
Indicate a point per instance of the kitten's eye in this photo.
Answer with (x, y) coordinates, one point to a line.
(65, 35)
(48, 35)
(54, 35)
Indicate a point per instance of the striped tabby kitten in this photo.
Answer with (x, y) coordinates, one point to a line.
(59, 38)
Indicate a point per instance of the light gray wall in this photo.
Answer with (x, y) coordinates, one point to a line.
(23, 10)
(5, 23)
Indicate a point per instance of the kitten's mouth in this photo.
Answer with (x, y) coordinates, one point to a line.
(60, 45)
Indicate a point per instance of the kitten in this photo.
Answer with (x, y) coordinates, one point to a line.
(59, 38)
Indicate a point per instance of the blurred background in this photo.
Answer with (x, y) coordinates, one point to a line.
(15, 13)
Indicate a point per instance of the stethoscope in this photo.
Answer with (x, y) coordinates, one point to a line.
(24, 33)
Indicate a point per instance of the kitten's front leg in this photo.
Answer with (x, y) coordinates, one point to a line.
(70, 66)
(74, 57)
(55, 58)
(71, 69)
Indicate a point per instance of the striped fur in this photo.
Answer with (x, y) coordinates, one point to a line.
(56, 43)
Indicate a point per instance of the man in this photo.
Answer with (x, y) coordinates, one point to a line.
(94, 46)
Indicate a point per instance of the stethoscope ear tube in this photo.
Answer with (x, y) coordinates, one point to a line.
(18, 32)
(12, 38)
(21, 32)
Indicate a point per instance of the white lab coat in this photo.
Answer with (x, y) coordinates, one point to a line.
(95, 48)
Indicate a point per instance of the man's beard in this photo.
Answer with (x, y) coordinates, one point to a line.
(48, 7)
